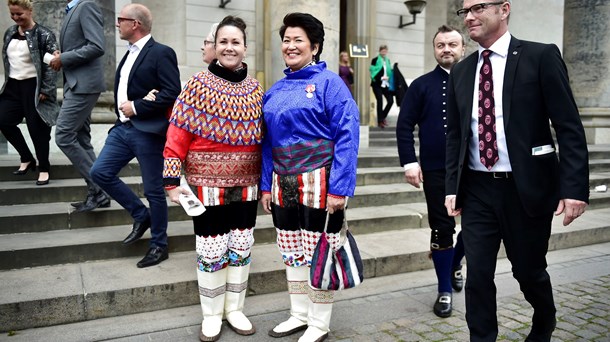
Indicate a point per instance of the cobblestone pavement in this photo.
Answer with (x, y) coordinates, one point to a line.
(582, 315)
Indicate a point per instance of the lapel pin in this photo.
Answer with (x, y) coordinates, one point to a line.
(310, 89)
(515, 52)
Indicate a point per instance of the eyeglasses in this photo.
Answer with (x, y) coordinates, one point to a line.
(206, 42)
(121, 19)
(477, 9)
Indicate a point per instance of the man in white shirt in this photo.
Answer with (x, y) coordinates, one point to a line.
(140, 129)
(503, 173)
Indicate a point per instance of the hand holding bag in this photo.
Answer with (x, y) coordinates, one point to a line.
(336, 270)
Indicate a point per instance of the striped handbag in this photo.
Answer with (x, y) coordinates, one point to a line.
(336, 270)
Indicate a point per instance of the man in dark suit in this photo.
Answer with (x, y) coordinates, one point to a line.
(425, 105)
(503, 172)
(139, 131)
(82, 47)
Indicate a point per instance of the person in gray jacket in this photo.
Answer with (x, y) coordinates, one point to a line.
(82, 47)
(29, 88)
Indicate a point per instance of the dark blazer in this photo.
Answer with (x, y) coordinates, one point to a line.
(424, 105)
(155, 68)
(536, 90)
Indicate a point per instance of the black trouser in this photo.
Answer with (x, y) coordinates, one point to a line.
(17, 102)
(492, 213)
(380, 93)
(441, 224)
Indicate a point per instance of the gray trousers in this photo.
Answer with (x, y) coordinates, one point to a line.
(73, 133)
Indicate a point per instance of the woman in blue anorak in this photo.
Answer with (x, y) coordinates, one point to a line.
(310, 154)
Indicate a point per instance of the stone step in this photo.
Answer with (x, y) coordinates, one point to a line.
(599, 165)
(377, 187)
(104, 229)
(61, 168)
(59, 294)
(101, 241)
(72, 190)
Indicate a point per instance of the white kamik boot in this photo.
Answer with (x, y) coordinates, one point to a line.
(297, 289)
(318, 315)
(212, 287)
(237, 284)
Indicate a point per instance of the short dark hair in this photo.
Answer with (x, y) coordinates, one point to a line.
(446, 29)
(231, 20)
(312, 27)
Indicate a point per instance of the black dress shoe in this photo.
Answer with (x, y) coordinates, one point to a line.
(539, 334)
(99, 200)
(154, 256)
(31, 166)
(78, 204)
(457, 279)
(442, 306)
(136, 233)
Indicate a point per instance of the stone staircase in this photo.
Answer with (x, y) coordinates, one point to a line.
(58, 267)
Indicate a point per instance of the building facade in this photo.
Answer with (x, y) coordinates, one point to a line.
(573, 25)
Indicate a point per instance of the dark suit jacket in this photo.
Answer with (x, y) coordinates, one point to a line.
(155, 68)
(536, 90)
(400, 85)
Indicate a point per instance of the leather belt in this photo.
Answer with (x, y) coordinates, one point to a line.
(493, 175)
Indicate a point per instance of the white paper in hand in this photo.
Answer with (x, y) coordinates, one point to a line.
(47, 58)
(191, 204)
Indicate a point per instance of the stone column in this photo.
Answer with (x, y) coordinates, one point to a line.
(365, 30)
(327, 11)
(436, 15)
(586, 52)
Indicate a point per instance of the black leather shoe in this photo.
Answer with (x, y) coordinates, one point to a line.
(99, 200)
(31, 166)
(538, 334)
(154, 256)
(136, 233)
(78, 204)
(442, 306)
(457, 279)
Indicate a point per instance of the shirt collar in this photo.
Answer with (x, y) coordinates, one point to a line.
(500, 46)
(71, 5)
(137, 46)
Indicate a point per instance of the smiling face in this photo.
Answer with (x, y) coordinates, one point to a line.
(21, 16)
(489, 25)
(230, 48)
(448, 48)
(297, 49)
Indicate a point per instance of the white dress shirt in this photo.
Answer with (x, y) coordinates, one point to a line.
(498, 65)
(121, 96)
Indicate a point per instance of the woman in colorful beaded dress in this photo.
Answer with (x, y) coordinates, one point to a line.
(310, 154)
(214, 137)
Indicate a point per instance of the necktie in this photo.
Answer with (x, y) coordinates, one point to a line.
(488, 145)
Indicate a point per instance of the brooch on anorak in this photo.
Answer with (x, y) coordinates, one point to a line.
(310, 89)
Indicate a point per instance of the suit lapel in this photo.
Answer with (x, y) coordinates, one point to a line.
(467, 90)
(65, 24)
(512, 60)
(141, 57)
(117, 75)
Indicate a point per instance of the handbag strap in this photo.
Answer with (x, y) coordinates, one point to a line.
(344, 226)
